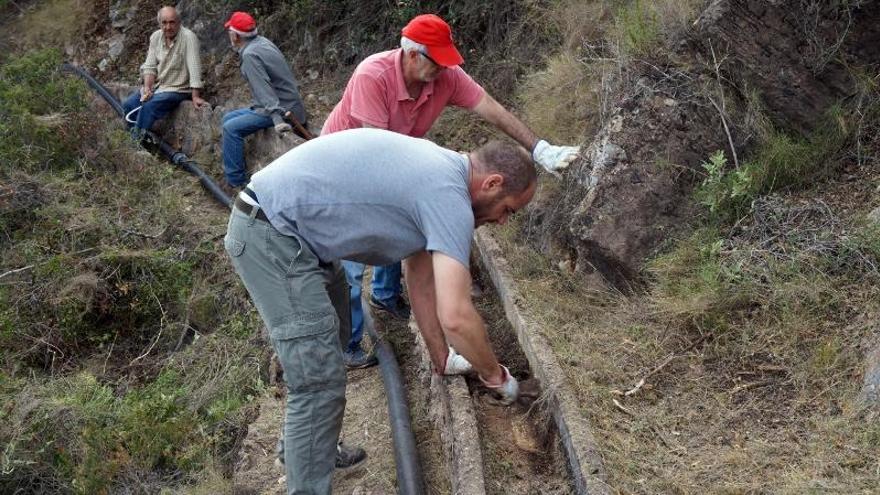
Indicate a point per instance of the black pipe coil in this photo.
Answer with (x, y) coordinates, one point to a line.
(409, 471)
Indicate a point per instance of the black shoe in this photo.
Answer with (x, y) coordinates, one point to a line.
(399, 309)
(358, 359)
(346, 457)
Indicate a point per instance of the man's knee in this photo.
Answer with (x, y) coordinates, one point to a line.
(226, 128)
(230, 129)
(131, 102)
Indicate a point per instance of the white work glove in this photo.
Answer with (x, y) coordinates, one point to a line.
(508, 389)
(456, 364)
(282, 127)
(554, 158)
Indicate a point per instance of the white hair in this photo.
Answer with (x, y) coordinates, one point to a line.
(173, 9)
(244, 34)
(409, 45)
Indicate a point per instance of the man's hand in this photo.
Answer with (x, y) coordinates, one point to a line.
(507, 389)
(554, 158)
(283, 127)
(456, 364)
(198, 102)
(146, 93)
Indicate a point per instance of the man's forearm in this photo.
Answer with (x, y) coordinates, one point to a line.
(471, 340)
(462, 324)
(492, 111)
(149, 81)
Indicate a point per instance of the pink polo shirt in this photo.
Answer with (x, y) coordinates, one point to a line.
(376, 95)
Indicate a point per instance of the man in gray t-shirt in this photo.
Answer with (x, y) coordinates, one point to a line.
(376, 197)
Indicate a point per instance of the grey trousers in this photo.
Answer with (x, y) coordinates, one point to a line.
(304, 304)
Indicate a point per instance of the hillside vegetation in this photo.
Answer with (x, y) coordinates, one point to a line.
(732, 362)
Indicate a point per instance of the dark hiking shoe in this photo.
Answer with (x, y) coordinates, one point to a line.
(347, 458)
(357, 359)
(399, 309)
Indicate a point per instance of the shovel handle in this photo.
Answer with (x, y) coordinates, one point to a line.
(298, 127)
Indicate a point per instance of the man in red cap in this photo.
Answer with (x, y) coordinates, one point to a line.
(274, 90)
(405, 90)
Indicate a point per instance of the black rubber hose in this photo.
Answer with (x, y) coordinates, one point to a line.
(174, 156)
(183, 161)
(409, 471)
(98, 87)
(406, 458)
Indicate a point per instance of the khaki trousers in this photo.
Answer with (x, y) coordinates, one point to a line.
(304, 304)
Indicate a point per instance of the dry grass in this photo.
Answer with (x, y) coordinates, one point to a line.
(51, 23)
(127, 351)
(568, 99)
(561, 101)
(751, 350)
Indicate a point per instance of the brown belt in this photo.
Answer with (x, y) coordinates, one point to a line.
(247, 209)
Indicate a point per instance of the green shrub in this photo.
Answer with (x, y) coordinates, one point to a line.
(781, 161)
(78, 435)
(38, 108)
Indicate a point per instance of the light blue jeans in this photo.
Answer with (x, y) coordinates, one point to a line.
(237, 125)
(157, 107)
(385, 288)
(304, 304)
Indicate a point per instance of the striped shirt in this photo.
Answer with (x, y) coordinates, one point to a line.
(177, 67)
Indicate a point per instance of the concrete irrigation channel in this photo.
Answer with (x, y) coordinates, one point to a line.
(545, 447)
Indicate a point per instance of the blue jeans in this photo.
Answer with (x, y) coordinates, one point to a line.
(158, 106)
(386, 289)
(237, 125)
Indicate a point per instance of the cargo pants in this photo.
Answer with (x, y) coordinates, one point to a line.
(304, 304)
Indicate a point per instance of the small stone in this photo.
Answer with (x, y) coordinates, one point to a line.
(616, 124)
(669, 102)
(874, 216)
(102, 65)
(117, 44)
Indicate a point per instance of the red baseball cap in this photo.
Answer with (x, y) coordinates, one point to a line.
(433, 32)
(241, 22)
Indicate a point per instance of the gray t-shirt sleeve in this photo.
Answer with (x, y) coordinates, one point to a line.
(447, 228)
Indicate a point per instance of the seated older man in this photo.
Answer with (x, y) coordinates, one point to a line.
(172, 73)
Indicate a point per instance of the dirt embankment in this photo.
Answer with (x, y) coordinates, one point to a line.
(788, 63)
